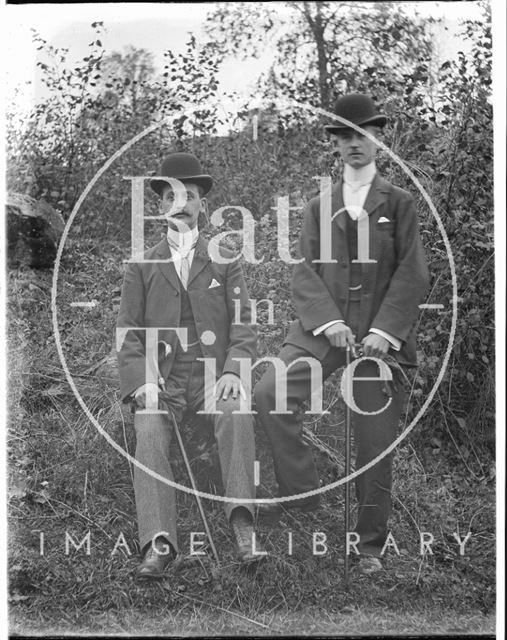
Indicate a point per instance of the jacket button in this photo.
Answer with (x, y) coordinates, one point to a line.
(176, 293)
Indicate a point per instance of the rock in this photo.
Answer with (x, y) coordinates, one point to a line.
(34, 229)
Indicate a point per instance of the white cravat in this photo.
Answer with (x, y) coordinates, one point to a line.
(182, 245)
(356, 184)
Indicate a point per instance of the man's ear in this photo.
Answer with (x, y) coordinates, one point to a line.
(204, 209)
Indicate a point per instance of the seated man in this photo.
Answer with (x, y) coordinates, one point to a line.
(178, 286)
(343, 300)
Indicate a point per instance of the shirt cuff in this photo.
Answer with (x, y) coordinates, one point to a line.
(395, 343)
(321, 329)
(143, 388)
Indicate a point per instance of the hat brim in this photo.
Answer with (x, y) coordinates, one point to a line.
(203, 181)
(378, 121)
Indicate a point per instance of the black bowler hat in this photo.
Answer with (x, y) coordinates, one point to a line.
(359, 109)
(185, 167)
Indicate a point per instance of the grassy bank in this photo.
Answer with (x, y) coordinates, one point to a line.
(64, 478)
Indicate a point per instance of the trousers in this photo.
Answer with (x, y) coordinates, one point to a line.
(294, 464)
(234, 434)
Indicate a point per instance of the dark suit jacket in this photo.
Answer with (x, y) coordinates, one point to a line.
(392, 288)
(151, 298)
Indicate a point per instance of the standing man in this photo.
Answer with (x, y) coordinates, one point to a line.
(182, 288)
(352, 298)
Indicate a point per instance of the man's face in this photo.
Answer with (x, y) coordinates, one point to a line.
(182, 212)
(355, 148)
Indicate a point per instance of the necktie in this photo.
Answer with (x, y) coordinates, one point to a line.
(184, 253)
(355, 185)
(355, 198)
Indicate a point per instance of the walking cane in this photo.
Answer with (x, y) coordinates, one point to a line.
(347, 473)
(165, 400)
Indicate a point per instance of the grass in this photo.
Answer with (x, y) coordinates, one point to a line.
(314, 621)
(64, 477)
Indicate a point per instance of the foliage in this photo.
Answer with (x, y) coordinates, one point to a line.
(127, 74)
(327, 46)
(63, 478)
(440, 125)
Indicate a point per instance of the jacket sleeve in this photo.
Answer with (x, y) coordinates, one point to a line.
(131, 353)
(243, 336)
(313, 301)
(409, 283)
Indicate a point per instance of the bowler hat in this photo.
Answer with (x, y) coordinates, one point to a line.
(359, 109)
(185, 167)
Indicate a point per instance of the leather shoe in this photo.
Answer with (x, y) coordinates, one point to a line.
(154, 564)
(274, 510)
(242, 528)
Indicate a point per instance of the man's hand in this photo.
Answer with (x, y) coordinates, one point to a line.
(339, 335)
(229, 384)
(147, 394)
(375, 346)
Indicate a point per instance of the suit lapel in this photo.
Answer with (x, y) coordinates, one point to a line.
(338, 205)
(167, 267)
(376, 195)
(201, 259)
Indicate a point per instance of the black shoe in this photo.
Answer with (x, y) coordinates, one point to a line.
(154, 562)
(242, 528)
(274, 510)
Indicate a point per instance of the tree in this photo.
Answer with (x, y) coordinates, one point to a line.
(320, 47)
(42, 152)
(128, 73)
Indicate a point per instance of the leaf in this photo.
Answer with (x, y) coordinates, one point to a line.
(55, 390)
(41, 497)
(17, 597)
(25, 460)
(18, 490)
(462, 423)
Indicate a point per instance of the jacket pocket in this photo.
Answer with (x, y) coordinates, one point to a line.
(385, 227)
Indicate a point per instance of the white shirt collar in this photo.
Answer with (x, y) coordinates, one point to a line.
(364, 175)
(183, 240)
